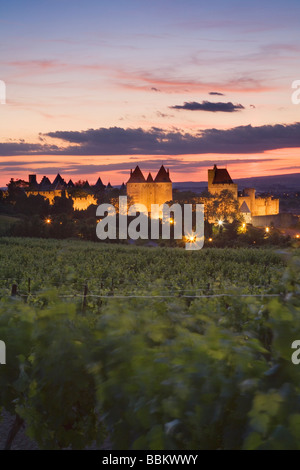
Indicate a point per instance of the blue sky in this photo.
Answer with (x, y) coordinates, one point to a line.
(74, 65)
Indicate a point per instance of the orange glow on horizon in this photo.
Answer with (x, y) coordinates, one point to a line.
(183, 168)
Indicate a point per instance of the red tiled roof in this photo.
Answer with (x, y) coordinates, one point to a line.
(222, 176)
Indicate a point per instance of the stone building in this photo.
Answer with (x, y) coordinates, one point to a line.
(59, 186)
(149, 191)
(219, 180)
(250, 205)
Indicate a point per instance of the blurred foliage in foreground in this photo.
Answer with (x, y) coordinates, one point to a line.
(212, 373)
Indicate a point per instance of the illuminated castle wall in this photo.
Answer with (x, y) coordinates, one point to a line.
(51, 190)
(250, 205)
(220, 180)
(153, 191)
(140, 190)
(259, 206)
(149, 191)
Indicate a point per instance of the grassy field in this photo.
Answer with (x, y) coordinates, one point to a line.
(6, 222)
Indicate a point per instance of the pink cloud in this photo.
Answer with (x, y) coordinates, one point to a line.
(145, 81)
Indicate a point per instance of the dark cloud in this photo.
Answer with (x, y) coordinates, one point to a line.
(287, 168)
(157, 141)
(13, 163)
(22, 148)
(77, 169)
(216, 93)
(209, 106)
(163, 115)
(180, 165)
(155, 89)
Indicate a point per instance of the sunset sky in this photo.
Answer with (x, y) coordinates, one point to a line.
(94, 87)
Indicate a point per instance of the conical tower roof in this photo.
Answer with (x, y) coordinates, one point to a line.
(58, 181)
(70, 184)
(59, 186)
(244, 208)
(149, 178)
(162, 176)
(136, 176)
(99, 184)
(45, 183)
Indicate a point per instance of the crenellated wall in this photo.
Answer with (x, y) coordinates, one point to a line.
(79, 203)
(259, 205)
(219, 180)
(50, 195)
(266, 206)
(82, 203)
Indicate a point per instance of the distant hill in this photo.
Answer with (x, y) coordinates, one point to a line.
(274, 184)
(191, 186)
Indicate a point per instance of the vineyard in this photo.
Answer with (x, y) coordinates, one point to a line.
(152, 348)
(68, 266)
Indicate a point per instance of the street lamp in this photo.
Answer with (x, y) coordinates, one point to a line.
(191, 238)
